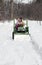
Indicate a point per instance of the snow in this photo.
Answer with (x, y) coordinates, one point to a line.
(35, 30)
(21, 50)
(23, 1)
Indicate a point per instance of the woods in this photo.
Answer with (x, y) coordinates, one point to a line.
(10, 10)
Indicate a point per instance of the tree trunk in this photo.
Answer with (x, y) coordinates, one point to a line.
(11, 9)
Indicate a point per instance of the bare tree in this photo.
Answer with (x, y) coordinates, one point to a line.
(11, 1)
(39, 1)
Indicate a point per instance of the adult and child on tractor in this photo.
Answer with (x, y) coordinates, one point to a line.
(19, 27)
(19, 23)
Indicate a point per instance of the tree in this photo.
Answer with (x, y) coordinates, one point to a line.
(0, 1)
(11, 1)
(1, 9)
(39, 1)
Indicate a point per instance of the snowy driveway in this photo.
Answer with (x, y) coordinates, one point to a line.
(16, 52)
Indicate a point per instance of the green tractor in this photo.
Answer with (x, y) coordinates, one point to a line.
(21, 30)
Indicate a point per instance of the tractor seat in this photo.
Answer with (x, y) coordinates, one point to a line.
(21, 30)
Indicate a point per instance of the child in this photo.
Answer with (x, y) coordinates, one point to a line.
(19, 23)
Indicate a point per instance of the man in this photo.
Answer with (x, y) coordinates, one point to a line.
(19, 23)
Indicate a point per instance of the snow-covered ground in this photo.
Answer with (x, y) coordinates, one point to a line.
(35, 30)
(20, 51)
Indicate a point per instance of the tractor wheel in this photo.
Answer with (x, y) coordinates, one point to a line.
(12, 35)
